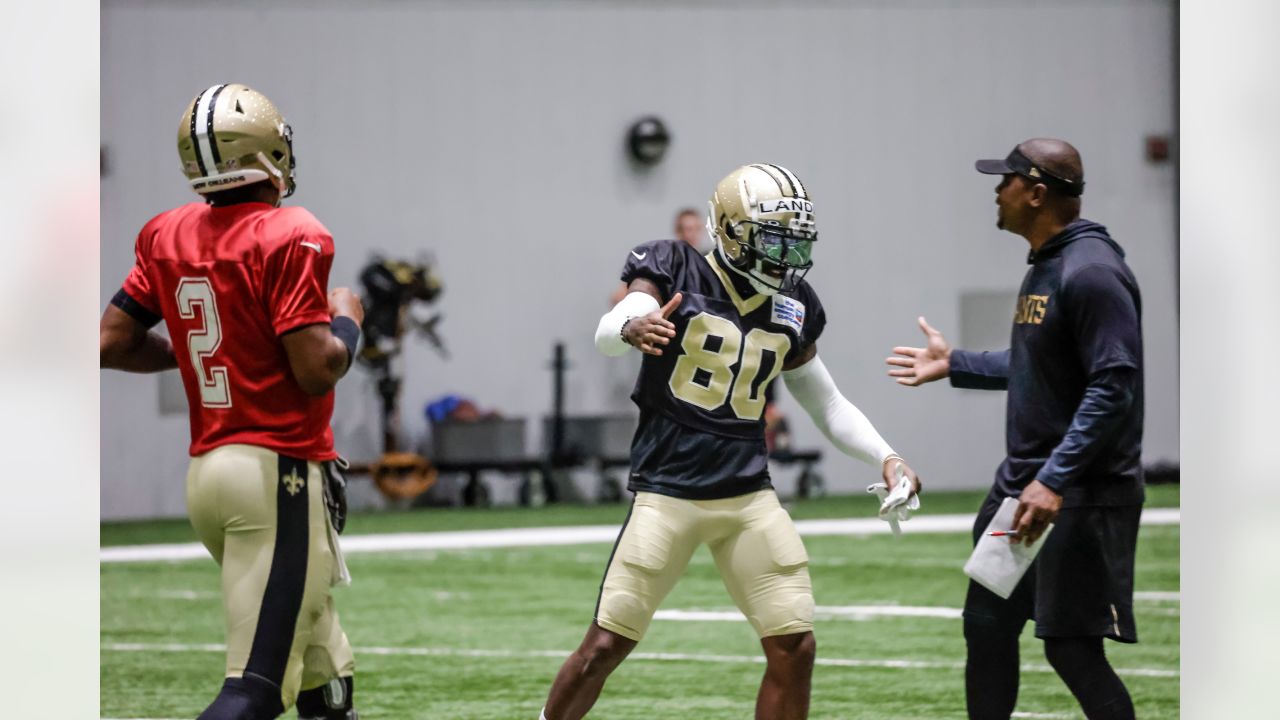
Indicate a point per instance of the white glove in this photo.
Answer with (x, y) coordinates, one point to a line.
(896, 506)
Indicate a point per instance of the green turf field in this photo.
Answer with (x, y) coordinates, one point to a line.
(481, 633)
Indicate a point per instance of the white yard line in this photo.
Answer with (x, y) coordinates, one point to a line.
(186, 595)
(1158, 596)
(574, 535)
(657, 657)
(862, 612)
(821, 612)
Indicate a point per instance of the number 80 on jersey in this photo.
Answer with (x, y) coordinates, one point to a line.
(714, 345)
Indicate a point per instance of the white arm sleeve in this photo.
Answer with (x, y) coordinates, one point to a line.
(609, 331)
(843, 424)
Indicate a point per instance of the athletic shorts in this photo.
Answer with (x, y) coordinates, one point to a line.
(262, 516)
(1081, 583)
(755, 545)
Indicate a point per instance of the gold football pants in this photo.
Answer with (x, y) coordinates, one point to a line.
(755, 545)
(263, 518)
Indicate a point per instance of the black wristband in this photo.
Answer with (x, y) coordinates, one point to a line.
(622, 331)
(346, 330)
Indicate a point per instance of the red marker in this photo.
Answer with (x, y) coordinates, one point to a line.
(1003, 533)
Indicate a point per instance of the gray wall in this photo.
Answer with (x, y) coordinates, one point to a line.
(491, 134)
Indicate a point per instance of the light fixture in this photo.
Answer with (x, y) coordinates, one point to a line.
(648, 140)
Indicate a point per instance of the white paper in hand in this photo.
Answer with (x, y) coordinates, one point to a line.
(998, 564)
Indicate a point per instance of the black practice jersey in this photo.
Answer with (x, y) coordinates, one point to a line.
(1078, 320)
(701, 433)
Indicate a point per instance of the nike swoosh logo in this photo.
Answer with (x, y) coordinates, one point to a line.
(313, 246)
(640, 256)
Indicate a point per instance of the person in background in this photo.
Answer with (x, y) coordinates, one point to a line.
(691, 228)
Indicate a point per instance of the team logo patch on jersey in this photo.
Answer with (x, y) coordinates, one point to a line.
(788, 311)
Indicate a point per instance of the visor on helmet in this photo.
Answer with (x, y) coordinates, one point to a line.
(784, 254)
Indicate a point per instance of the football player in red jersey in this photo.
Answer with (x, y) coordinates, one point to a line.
(240, 284)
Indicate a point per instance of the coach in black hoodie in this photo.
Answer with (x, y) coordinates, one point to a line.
(1073, 372)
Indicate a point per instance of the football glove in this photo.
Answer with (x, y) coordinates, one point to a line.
(335, 492)
(896, 507)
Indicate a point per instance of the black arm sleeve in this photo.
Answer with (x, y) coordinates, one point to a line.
(986, 370)
(1103, 312)
(1106, 400)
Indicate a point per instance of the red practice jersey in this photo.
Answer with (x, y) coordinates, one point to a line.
(228, 282)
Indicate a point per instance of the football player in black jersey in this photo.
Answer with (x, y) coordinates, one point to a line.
(716, 330)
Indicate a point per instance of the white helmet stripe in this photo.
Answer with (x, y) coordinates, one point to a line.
(774, 178)
(795, 181)
(202, 124)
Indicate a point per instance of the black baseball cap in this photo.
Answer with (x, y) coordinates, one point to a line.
(1017, 163)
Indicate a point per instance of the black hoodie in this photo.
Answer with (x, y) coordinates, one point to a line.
(1073, 371)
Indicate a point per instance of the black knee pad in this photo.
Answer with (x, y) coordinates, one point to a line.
(246, 698)
(331, 701)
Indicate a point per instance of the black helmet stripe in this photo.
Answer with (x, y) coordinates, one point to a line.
(788, 179)
(796, 186)
(195, 139)
(213, 142)
(202, 130)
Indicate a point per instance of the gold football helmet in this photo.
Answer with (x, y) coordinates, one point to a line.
(762, 219)
(231, 135)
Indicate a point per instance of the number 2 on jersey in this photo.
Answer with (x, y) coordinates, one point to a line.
(713, 345)
(203, 342)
